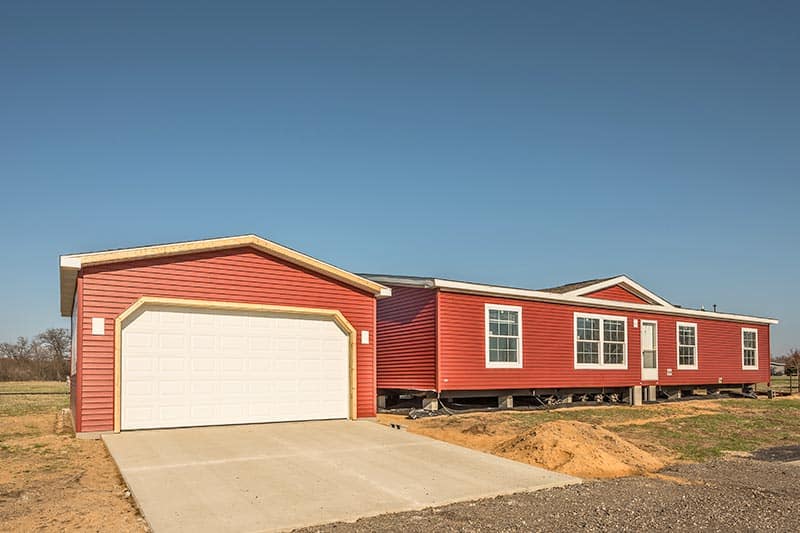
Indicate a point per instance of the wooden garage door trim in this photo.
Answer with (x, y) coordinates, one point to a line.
(332, 314)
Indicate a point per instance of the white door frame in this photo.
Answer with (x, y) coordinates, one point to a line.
(649, 374)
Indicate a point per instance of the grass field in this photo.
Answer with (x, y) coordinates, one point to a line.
(13, 401)
(33, 386)
(737, 426)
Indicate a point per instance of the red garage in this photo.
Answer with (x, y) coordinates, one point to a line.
(220, 331)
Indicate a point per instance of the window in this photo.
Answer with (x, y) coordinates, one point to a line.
(503, 336)
(749, 348)
(687, 346)
(600, 341)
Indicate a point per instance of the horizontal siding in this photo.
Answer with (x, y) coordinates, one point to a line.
(548, 349)
(406, 357)
(242, 275)
(617, 293)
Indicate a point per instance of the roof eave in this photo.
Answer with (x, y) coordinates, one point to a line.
(525, 294)
(75, 262)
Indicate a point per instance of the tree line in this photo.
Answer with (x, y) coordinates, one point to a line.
(45, 357)
(791, 361)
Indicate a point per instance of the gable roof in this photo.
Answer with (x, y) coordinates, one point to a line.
(585, 288)
(561, 289)
(71, 264)
(574, 296)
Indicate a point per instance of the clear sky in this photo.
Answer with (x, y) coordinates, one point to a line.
(520, 143)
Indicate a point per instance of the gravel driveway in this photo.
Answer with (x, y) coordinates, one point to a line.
(736, 494)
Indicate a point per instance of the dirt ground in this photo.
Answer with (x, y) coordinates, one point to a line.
(52, 481)
(733, 494)
(617, 441)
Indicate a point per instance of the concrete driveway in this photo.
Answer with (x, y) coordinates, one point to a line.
(279, 476)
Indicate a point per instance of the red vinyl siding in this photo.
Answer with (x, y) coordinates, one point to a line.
(407, 339)
(617, 293)
(238, 275)
(548, 349)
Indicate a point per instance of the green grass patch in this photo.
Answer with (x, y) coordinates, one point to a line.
(600, 415)
(33, 386)
(690, 432)
(26, 404)
(742, 425)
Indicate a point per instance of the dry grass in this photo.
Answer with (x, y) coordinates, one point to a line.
(33, 387)
(51, 481)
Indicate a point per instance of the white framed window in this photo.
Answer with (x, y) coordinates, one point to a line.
(503, 336)
(749, 349)
(687, 345)
(601, 341)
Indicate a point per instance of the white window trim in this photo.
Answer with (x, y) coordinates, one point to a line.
(696, 364)
(502, 364)
(749, 367)
(600, 364)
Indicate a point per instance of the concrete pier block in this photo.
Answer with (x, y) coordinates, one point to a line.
(652, 393)
(505, 402)
(430, 404)
(636, 395)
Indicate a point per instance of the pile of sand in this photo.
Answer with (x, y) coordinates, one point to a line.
(578, 449)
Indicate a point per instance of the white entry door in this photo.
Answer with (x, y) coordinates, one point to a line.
(649, 351)
(184, 367)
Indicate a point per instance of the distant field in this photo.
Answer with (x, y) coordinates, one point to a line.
(781, 384)
(26, 397)
(33, 386)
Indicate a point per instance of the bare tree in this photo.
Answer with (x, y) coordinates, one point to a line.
(55, 345)
(792, 362)
(46, 357)
(20, 350)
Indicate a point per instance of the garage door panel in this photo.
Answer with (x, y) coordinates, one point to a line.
(184, 368)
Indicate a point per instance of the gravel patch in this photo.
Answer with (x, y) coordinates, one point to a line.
(735, 494)
(779, 453)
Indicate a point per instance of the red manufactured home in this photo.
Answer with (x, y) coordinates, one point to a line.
(219, 331)
(457, 339)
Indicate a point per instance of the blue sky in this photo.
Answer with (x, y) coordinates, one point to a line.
(518, 143)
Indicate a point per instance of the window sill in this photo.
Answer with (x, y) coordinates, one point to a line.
(503, 365)
(579, 366)
(749, 368)
(683, 367)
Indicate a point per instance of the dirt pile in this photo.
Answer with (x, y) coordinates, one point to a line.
(578, 449)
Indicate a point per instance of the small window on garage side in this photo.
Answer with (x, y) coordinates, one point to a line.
(687, 346)
(749, 348)
(503, 336)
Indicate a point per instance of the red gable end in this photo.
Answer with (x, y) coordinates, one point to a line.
(617, 293)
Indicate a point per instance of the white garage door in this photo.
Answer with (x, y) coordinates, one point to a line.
(192, 368)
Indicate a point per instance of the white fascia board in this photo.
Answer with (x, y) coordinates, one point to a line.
(400, 280)
(625, 280)
(526, 294)
(70, 261)
(385, 292)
